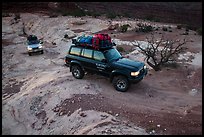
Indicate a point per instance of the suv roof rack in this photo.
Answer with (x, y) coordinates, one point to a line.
(90, 46)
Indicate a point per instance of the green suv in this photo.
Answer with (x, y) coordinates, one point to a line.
(107, 62)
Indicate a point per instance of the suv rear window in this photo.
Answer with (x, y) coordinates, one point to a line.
(87, 53)
(75, 51)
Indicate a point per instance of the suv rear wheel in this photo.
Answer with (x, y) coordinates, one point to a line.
(77, 72)
(120, 83)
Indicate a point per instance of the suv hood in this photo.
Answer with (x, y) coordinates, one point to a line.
(130, 64)
(34, 45)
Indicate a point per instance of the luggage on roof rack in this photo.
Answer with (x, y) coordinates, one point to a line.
(98, 41)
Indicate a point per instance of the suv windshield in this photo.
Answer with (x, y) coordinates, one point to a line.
(112, 54)
(33, 42)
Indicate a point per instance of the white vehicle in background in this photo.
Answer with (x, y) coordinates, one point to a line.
(34, 45)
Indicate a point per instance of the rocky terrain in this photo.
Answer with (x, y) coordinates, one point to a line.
(40, 96)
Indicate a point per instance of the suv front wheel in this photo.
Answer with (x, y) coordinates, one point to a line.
(77, 72)
(120, 83)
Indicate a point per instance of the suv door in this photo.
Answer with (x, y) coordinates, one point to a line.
(100, 64)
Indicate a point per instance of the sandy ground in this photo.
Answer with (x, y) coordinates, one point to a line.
(40, 95)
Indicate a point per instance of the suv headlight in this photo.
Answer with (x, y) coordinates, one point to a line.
(135, 73)
(40, 47)
(29, 48)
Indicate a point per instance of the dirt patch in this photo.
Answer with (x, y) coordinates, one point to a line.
(50, 54)
(11, 88)
(170, 123)
(6, 42)
(48, 45)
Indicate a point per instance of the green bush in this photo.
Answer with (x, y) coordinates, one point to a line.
(144, 28)
(120, 49)
(199, 31)
(111, 15)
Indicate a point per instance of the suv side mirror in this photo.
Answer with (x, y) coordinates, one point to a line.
(41, 42)
(104, 60)
(74, 41)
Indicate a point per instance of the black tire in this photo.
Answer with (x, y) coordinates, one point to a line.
(30, 54)
(42, 52)
(120, 83)
(77, 72)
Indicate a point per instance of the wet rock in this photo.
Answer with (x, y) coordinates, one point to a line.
(56, 109)
(53, 43)
(186, 112)
(193, 92)
(61, 113)
(50, 121)
(87, 87)
(82, 114)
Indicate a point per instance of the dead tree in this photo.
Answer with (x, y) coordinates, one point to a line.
(159, 52)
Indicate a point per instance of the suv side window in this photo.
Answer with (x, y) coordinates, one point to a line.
(98, 55)
(75, 51)
(87, 53)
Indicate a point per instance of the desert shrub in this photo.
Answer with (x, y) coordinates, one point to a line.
(144, 28)
(185, 33)
(95, 14)
(111, 15)
(199, 31)
(190, 27)
(78, 13)
(120, 49)
(170, 30)
(124, 28)
(179, 26)
(152, 18)
(17, 16)
(53, 15)
(6, 15)
(163, 52)
(66, 36)
(187, 29)
(164, 28)
(126, 14)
